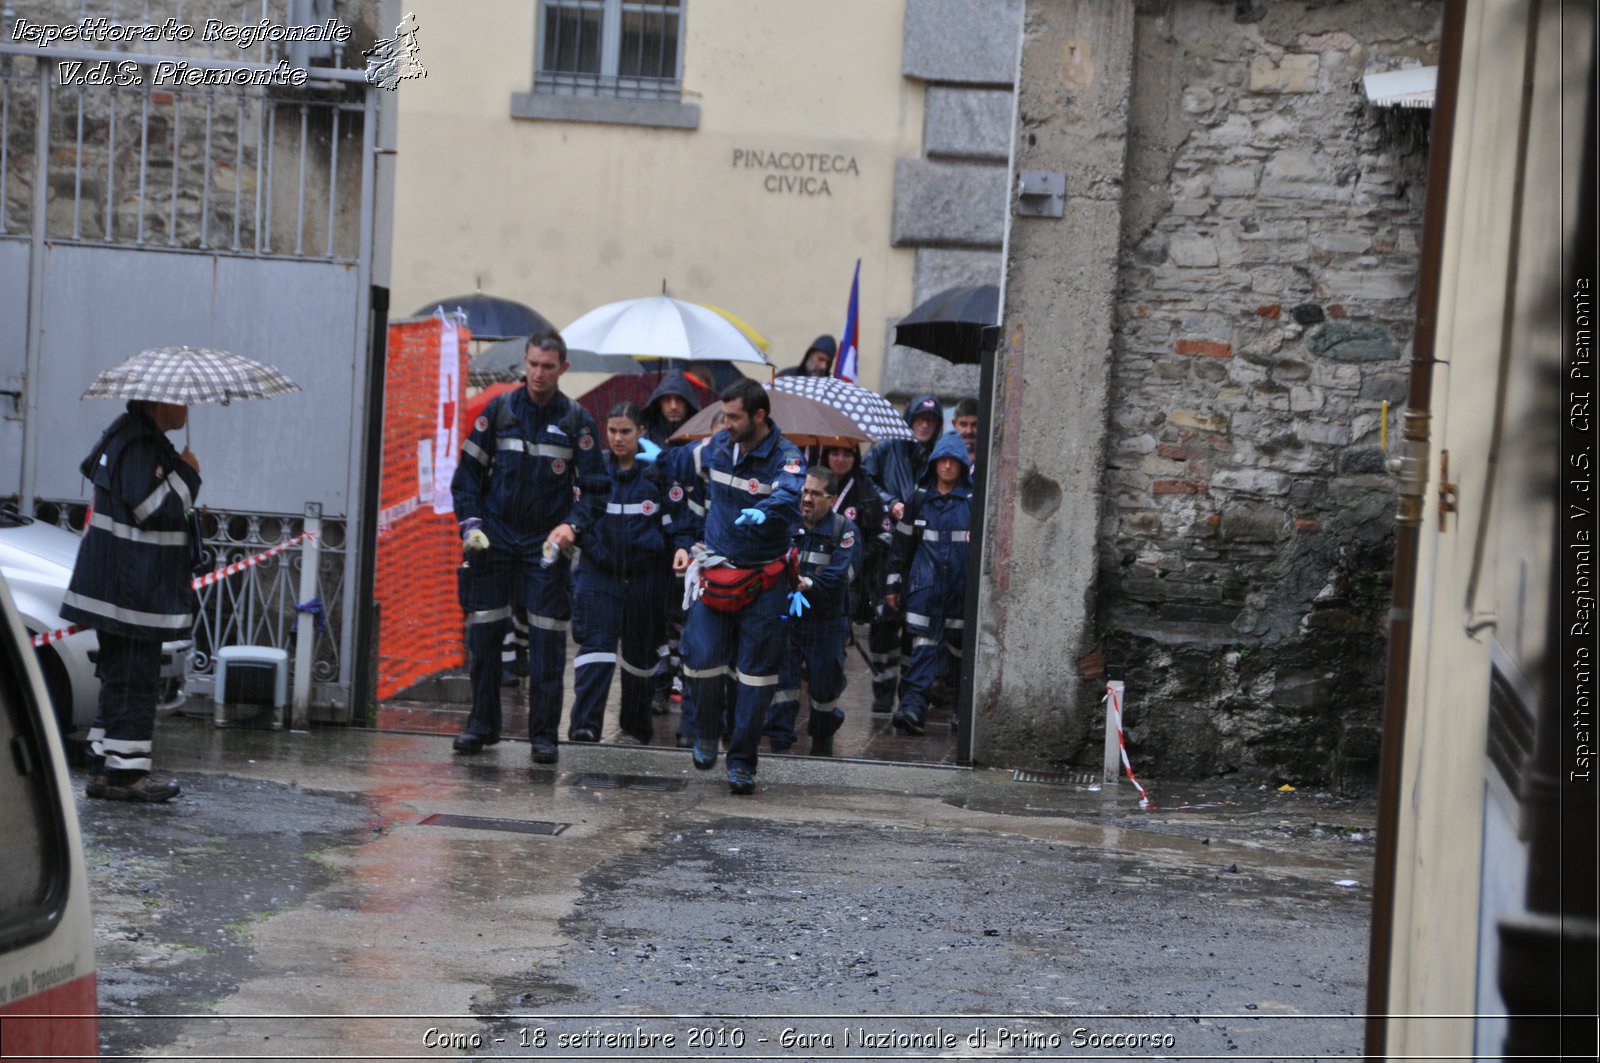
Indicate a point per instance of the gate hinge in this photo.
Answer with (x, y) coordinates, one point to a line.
(1447, 491)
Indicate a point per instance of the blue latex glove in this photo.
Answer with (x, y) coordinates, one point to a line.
(648, 451)
(750, 516)
(797, 603)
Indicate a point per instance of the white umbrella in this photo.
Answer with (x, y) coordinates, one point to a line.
(661, 327)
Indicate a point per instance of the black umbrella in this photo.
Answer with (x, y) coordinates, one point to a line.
(491, 317)
(952, 324)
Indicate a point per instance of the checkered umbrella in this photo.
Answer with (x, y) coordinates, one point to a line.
(189, 376)
(871, 412)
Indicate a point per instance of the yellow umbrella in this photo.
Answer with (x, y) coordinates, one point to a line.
(750, 334)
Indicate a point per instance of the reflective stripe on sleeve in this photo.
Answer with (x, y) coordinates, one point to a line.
(629, 508)
(949, 536)
(475, 452)
(153, 501)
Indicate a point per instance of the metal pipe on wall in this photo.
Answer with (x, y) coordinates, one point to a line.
(1413, 471)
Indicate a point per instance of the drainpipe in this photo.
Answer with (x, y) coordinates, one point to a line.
(1413, 475)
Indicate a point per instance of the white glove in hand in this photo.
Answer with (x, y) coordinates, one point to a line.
(475, 541)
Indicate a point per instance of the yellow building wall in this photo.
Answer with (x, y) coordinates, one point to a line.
(565, 216)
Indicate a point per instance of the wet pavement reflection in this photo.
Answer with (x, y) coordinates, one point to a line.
(364, 893)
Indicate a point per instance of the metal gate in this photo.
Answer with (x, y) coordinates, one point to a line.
(234, 213)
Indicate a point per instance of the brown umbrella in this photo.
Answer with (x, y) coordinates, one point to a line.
(804, 422)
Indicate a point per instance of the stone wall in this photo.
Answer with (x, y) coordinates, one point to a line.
(1267, 285)
(950, 202)
(190, 167)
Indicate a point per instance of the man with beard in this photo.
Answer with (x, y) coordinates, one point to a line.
(752, 477)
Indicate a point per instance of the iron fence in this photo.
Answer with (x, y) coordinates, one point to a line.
(256, 607)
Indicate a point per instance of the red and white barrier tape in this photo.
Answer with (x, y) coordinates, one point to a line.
(1127, 766)
(247, 562)
(44, 638)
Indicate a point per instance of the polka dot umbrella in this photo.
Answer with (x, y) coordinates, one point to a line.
(871, 412)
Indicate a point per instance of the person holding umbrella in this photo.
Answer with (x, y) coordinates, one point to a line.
(131, 580)
(513, 494)
(131, 584)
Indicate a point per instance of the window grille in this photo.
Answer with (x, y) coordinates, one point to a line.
(626, 49)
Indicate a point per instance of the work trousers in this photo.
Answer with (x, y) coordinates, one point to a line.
(748, 646)
(125, 715)
(935, 623)
(489, 583)
(816, 656)
(609, 608)
(884, 633)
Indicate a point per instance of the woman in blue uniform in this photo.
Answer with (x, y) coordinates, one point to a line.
(627, 557)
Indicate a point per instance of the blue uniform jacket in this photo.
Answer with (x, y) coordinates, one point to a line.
(828, 555)
(895, 467)
(132, 574)
(637, 531)
(930, 541)
(520, 464)
(767, 478)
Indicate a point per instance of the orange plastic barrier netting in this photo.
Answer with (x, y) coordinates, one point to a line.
(419, 618)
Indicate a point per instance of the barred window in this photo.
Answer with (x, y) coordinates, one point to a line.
(625, 49)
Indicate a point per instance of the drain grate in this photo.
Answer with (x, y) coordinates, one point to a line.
(514, 826)
(1055, 778)
(600, 780)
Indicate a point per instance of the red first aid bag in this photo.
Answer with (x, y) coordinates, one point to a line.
(728, 590)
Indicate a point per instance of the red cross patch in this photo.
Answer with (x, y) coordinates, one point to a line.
(647, 507)
(481, 424)
(754, 486)
(848, 541)
(586, 441)
(850, 511)
(676, 494)
(558, 466)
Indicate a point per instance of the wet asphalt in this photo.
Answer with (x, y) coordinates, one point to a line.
(364, 894)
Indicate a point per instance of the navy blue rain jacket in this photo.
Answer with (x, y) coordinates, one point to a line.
(132, 575)
(767, 478)
(828, 555)
(636, 532)
(656, 428)
(520, 464)
(930, 540)
(895, 466)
